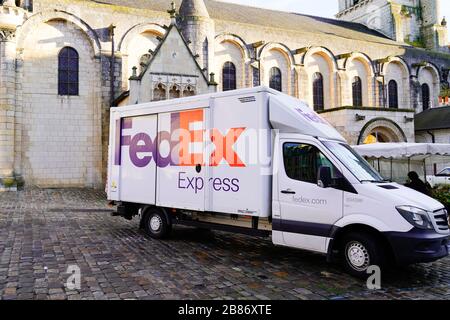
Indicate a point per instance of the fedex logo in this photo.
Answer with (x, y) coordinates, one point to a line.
(186, 141)
(312, 116)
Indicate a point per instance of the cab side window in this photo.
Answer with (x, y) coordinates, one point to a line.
(302, 162)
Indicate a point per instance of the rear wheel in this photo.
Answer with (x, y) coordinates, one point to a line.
(156, 224)
(359, 251)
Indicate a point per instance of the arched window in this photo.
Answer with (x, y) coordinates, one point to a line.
(188, 91)
(275, 81)
(393, 94)
(425, 96)
(229, 76)
(68, 72)
(174, 92)
(357, 92)
(381, 96)
(159, 93)
(318, 97)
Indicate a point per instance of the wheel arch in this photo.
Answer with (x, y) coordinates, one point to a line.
(146, 209)
(339, 233)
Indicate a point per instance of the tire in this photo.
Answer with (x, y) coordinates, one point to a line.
(156, 224)
(359, 251)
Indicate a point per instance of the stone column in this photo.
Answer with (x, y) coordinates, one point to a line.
(346, 90)
(371, 91)
(7, 106)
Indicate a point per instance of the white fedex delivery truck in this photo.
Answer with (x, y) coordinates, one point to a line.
(259, 162)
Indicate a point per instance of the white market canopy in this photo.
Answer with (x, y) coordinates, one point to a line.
(415, 151)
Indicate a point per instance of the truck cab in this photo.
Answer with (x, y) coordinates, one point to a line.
(328, 199)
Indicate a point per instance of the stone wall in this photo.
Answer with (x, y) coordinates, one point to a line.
(7, 107)
(356, 124)
(61, 135)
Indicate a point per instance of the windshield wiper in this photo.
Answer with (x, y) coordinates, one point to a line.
(376, 181)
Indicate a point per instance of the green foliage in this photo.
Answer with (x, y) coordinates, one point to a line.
(442, 194)
(405, 11)
(8, 182)
(445, 92)
(418, 42)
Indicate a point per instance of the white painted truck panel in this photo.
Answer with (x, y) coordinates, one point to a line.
(179, 185)
(241, 182)
(137, 159)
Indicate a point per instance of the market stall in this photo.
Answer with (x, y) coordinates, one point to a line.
(395, 160)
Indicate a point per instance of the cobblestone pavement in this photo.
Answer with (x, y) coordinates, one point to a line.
(42, 232)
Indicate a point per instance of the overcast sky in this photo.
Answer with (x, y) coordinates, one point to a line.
(324, 8)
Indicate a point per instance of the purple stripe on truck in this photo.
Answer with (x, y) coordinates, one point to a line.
(118, 153)
(121, 124)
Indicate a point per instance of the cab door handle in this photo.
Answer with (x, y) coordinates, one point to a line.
(288, 191)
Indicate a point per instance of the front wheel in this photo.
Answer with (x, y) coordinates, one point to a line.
(156, 224)
(359, 252)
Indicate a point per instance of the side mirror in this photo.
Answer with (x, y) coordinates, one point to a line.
(324, 177)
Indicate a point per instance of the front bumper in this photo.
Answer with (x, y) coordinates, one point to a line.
(418, 246)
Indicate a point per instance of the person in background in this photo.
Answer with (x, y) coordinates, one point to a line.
(417, 184)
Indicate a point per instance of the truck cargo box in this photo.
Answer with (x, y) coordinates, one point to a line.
(206, 153)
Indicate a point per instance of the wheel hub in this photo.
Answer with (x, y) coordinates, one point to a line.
(358, 256)
(155, 223)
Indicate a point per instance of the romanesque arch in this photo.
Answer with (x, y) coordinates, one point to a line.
(231, 48)
(383, 130)
(395, 69)
(57, 15)
(321, 61)
(428, 75)
(138, 29)
(358, 67)
(278, 56)
(368, 63)
(237, 41)
(136, 46)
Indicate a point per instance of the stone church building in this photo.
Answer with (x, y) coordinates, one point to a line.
(64, 63)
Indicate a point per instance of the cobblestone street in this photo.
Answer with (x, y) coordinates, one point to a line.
(42, 232)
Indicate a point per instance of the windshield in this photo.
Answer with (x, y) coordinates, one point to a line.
(356, 164)
(445, 172)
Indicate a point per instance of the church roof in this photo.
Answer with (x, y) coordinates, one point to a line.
(268, 18)
(433, 119)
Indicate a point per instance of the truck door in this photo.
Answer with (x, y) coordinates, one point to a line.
(308, 212)
(135, 158)
(181, 160)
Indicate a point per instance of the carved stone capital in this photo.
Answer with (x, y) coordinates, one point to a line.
(7, 35)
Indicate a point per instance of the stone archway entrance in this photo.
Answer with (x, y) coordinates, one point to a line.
(381, 131)
(380, 135)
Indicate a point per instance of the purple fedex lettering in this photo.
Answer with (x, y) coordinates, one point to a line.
(122, 124)
(139, 144)
(142, 149)
(312, 116)
(174, 148)
(195, 184)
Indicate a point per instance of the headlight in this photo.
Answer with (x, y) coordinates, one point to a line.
(417, 217)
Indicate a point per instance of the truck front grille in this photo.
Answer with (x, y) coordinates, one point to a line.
(441, 221)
